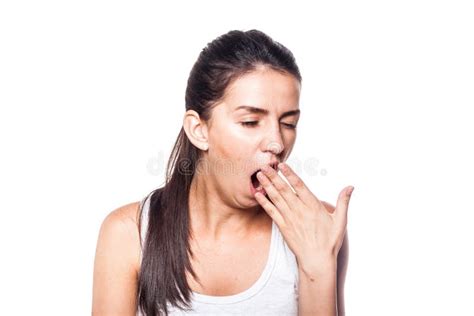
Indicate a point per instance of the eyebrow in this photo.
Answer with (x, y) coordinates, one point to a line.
(256, 110)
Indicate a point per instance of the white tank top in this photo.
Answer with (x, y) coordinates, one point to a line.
(274, 293)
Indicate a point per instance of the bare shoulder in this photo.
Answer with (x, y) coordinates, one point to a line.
(120, 228)
(125, 216)
(116, 263)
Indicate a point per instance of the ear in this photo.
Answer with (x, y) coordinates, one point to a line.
(196, 130)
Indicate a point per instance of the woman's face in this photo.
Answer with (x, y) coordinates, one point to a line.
(253, 126)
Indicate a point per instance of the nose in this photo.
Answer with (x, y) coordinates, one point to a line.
(274, 142)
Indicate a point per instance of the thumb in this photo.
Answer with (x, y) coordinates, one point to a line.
(342, 204)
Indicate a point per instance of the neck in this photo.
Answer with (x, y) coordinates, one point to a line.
(216, 218)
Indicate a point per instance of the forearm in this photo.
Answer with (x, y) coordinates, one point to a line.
(317, 288)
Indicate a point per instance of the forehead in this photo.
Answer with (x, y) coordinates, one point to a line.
(264, 88)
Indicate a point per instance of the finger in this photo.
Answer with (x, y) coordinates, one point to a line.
(281, 186)
(271, 209)
(305, 195)
(342, 204)
(273, 193)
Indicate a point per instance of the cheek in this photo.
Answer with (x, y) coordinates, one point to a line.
(289, 142)
(231, 150)
(231, 142)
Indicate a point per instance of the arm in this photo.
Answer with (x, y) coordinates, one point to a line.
(317, 288)
(321, 286)
(116, 264)
(342, 262)
(315, 231)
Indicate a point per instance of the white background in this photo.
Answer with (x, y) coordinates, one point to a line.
(92, 99)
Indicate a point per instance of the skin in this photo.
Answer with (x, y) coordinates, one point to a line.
(229, 224)
(221, 193)
(314, 234)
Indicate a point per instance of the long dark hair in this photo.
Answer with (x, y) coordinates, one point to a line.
(165, 257)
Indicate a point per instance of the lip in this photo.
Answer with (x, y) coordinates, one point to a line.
(273, 164)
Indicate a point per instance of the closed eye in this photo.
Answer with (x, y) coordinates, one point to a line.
(254, 123)
(291, 126)
(250, 123)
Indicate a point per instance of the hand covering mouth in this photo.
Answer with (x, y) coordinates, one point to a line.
(256, 184)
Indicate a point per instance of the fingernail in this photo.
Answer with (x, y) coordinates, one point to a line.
(349, 192)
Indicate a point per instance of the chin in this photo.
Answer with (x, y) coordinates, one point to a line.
(253, 201)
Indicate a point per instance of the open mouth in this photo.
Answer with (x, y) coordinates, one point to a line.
(257, 186)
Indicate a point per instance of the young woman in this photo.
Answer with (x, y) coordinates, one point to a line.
(226, 234)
